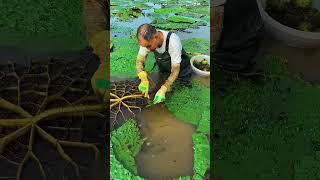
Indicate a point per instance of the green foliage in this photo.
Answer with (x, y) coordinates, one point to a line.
(273, 122)
(197, 177)
(111, 45)
(163, 18)
(124, 55)
(117, 170)
(188, 104)
(307, 168)
(201, 154)
(204, 17)
(126, 13)
(204, 123)
(184, 178)
(170, 10)
(127, 143)
(173, 26)
(181, 19)
(305, 26)
(196, 45)
(46, 23)
(302, 3)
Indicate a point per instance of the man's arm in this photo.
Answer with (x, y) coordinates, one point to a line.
(141, 59)
(175, 69)
(140, 62)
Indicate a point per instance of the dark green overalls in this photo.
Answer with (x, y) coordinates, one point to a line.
(164, 63)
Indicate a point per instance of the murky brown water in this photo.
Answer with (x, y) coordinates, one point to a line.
(203, 80)
(168, 150)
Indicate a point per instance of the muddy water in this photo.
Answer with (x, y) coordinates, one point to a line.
(168, 150)
(203, 80)
(304, 62)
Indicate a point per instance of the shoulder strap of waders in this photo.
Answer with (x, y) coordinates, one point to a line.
(167, 48)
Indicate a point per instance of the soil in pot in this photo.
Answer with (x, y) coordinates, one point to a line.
(297, 14)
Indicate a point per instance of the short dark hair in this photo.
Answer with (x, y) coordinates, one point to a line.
(146, 31)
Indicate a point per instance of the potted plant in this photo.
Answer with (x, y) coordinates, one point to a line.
(295, 22)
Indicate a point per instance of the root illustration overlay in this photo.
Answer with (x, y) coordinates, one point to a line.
(48, 107)
(125, 102)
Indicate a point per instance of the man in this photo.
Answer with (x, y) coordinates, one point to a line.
(238, 44)
(170, 57)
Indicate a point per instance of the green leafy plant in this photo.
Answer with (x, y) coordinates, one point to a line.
(196, 45)
(271, 121)
(46, 24)
(127, 143)
(302, 3)
(123, 58)
(183, 100)
(181, 19)
(204, 123)
(201, 154)
(117, 170)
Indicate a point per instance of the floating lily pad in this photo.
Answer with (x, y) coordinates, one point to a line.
(196, 45)
(181, 19)
(170, 10)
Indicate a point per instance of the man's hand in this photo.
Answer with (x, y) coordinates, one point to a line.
(160, 95)
(144, 85)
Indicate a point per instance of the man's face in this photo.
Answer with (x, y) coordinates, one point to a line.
(151, 45)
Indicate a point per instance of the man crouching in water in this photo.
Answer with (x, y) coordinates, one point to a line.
(172, 60)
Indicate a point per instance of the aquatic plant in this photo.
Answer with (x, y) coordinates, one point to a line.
(204, 123)
(47, 24)
(123, 58)
(262, 121)
(126, 13)
(196, 45)
(126, 143)
(181, 19)
(201, 154)
(302, 3)
(170, 10)
(307, 168)
(305, 26)
(179, 102)
(117, 170)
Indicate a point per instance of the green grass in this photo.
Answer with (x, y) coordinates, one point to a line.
(39, 24)
(264, 128)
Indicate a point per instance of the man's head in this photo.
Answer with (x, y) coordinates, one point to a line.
(149, 37)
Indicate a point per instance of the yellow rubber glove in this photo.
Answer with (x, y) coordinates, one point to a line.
(160, 95)
(144, 85)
